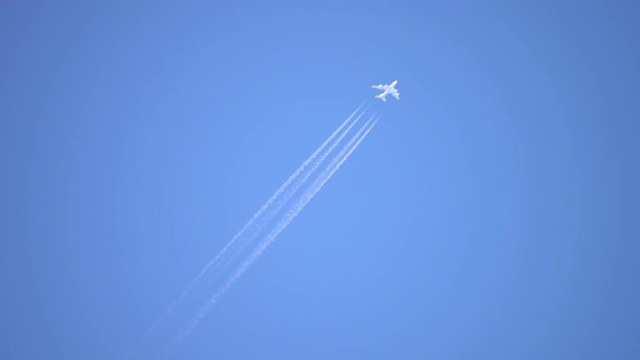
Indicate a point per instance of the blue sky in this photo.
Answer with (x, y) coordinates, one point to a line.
(492, 212)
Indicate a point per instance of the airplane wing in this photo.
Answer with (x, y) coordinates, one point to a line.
(380, 87)
(396, 95)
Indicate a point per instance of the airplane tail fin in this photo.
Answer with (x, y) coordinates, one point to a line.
(381, 97)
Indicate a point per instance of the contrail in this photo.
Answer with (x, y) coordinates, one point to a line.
(281, 200)
(250, 225)
(214, 268)
(309, 193)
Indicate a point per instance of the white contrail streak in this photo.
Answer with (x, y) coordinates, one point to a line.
(322, 179)
(289, 192)
(250, 225)
(234, 248)
(310, 192)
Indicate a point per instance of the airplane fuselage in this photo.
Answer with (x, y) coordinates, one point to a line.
(387, 89)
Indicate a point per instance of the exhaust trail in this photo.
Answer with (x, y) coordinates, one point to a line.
(288, 194)
(212, 271)
(250, 225)
(293, 211)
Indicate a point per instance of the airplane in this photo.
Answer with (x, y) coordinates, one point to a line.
(388, 89)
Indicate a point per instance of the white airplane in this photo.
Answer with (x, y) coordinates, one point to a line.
(388, 89)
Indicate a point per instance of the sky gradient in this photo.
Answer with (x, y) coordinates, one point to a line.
(493, 212)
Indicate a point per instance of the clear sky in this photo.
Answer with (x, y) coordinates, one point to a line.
(493, 212)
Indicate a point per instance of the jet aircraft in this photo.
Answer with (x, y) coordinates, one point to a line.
(388, 89)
